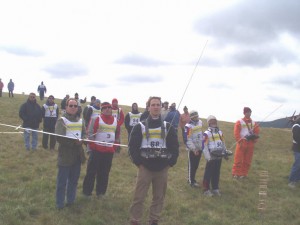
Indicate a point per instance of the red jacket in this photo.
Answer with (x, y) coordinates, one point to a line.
(93, 129)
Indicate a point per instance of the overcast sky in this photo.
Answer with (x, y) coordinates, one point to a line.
(248, 52)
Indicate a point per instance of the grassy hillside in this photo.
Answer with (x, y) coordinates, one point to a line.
(27, 185)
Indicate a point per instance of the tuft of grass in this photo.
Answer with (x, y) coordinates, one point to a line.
(27, 184)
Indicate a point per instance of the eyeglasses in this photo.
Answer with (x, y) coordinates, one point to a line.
(71, 106)
(106, 107)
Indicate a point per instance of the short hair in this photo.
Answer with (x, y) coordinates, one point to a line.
(70, 99)
(150, 99)
(93, 98)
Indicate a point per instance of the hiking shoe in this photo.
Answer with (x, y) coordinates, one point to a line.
(195, 185)
(292, 185)
(208, 193)
(216, 192)
(235, 176)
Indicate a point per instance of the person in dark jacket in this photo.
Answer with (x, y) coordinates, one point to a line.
(31, 114)
(50, 114)
(173, 116)
(294, 177)
(132, 118)
(153, 148)
(70, 131)
(63, 104)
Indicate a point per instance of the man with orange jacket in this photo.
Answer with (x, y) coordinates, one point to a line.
(246, 134)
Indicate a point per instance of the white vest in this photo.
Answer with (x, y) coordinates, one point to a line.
(295, 125)
(50, 110)
(215, 143)
(134, 118)
(106, 133)
(245, 130)
(73, 129)
(154, 140)
(96, 112)
(196, 134)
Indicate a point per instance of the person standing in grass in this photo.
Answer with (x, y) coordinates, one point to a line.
(70, 154)
(103, 130)
(42, 90)
(184, 119)
(11, 87)
(118, 113)
(213, 150)
(246, 134)
(153, 148)
(31, 114)
(50, 114)
(193, 139)
(132, 118)
(295, 170)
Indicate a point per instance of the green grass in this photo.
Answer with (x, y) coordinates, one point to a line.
(27, 185)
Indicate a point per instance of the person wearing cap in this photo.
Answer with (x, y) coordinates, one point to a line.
(79, 102)
(103, 130)
(118, 113)
(42, 90)
(50, 112)
(164, 110)
(183, 120)
(132, 118)
(153, 148)
(245, 133)
(70, 132)
(193, 139)
(1, 87)
(213, 150)
(294, 177)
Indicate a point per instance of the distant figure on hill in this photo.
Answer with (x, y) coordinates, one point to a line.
(118, 113)
(70, 154)
(11, 87)
(50, 114)
(63, 104)
(193, 136)
(42, 90)
(132, 118)
(1, 87)
(31, 114)
(294, 177)
(246, 134)
(79, 102)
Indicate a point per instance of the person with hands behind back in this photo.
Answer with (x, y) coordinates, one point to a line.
(70, 154)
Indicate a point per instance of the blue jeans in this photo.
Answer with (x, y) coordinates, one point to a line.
(66, 183)
(295, 171)
(34, 139)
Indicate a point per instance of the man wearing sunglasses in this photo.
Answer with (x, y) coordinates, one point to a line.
(103, 130)
(70, 154)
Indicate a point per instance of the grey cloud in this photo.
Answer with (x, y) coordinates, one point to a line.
(277, 99)
(255, 27)
(140, 79)
(21, 51)
(289, 81)
(67, 70)
(138, 60)
(97, 85)
(220, 86)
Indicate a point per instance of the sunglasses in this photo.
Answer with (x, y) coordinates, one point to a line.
(106, 107)
(71, 106)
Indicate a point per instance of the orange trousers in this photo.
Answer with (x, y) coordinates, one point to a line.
(242, 158)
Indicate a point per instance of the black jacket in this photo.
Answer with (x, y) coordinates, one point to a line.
(156, 164)
(31, 114)
(296, 137)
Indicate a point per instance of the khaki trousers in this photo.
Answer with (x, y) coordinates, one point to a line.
(159, 186)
